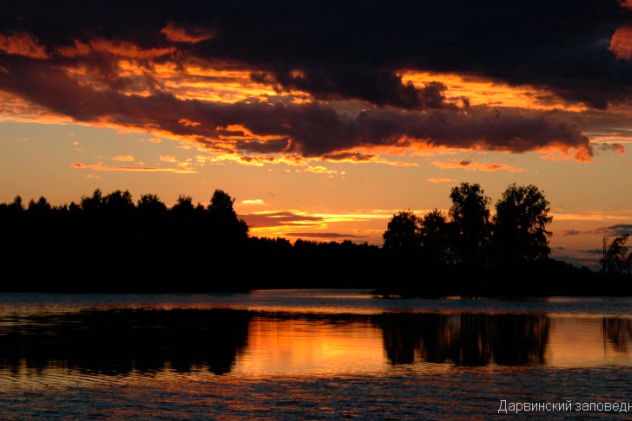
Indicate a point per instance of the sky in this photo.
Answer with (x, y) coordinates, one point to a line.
(322, 119)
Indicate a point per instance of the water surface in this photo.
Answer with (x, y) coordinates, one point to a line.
(317, 353)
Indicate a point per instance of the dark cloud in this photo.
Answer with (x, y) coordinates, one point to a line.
(311, 129)
(612, 147)
(356, 49)
(279, 219)
(332, 235)
(352, 156)
(372, 85)
(270, 146)
(619, 229)
(331, 49)
(616, 230)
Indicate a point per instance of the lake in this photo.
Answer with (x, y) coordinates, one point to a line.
(309, 354)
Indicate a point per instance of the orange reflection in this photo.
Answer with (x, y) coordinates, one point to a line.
(300, 346)
(588, 342)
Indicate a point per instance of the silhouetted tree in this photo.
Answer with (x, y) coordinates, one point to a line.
(118, 203)
(402, 233)
(470, 215)
(150, 204)
(40, 207)
(616, 257)
(434, 236)
(16, 206)
(184, 205)
(520, 222)
(221, 204)
(224, 216)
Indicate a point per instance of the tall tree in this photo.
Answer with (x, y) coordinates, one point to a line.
(520, 234)
(224, 218)
(402, 233)
(118, 203)
(222, 205)
(616, 256)
(184, 206)
(434, 236)
(40, 207)
(92, 204)
(150, 205)
(470, 216)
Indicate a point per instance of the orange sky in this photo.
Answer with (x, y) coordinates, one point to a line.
(309, 145)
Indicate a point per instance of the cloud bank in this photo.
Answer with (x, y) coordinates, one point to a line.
(319, 79)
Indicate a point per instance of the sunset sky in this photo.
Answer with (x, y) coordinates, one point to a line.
(323, 118)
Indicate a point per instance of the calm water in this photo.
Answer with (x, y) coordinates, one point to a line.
(306, 354)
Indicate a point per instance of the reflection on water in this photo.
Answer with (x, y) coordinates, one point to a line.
(287, 343)
(124, 342)
(120, 342)
(465, 339)
(618, 332)
(305, 354)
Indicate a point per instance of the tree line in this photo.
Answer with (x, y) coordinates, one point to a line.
(469, 251)
(517, 233)
(111, 243)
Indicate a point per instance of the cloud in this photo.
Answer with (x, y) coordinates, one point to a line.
(372, 85)
(475, 166)
(619, 229)
(168, 158)
(99, 167)
(193, 35)
(279, 219)
(124, 158)
(612, 147)
(323, 80)
(309, 129)
(22, 44)
(119, 48)
(568, 233)
(321, 47)
(319, 169)
(348, 157)
(441, 180)
(621, 43)
(255, 202)
(593, 251)
(329, 235)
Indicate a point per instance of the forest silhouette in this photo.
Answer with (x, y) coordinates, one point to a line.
(109, 243)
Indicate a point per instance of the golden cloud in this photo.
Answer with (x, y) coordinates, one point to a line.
(124, 158)
(254, 202)
(100, 167)
(441, 180)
